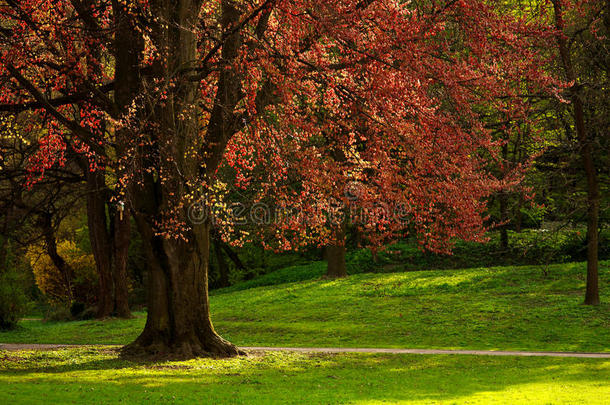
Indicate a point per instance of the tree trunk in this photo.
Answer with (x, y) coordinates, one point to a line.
(586, 152)
(122, 236)
(223, 268)
(110, 249)
(519, 215)
(503, 200)
(67, 273)
(3, 253)
(178, 323)
(335, 255)
(100, 241)
(336, 267)
(232, 255)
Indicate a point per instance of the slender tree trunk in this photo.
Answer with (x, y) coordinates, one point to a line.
(223, 268)
(3, 255)
(122, 236)
(519, 215)
(503, 200)
(232, 255)
(110, 249)
(586, 152)
(4, 237)
(67, 273)
(100, 241)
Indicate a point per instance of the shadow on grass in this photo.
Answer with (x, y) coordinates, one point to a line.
(301, 378)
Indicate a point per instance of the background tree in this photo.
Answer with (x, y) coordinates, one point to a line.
(43, 181)
(587, 34)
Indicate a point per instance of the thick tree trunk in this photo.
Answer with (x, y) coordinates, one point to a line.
(586, 152)
(178, 323)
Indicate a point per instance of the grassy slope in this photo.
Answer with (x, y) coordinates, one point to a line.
(97, 376)
(497, 308)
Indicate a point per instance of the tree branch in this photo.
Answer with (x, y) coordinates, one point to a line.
(56, 102)
(85, 135)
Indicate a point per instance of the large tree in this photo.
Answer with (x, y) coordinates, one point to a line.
(159, 93)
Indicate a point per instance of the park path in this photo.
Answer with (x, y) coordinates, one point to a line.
(18, 347)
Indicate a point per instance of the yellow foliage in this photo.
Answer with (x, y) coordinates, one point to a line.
(79, 286)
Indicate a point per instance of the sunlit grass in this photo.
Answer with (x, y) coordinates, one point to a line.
(505, 308)
(94, 375)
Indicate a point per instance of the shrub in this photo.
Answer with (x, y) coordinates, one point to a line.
(58, 313)
(80, 286)
(88, 313)
(76, 309)
(13, 301)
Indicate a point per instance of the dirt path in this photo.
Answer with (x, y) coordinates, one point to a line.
(431, 351)
(18, 347)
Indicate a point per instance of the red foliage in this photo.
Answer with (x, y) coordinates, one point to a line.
(386, 96)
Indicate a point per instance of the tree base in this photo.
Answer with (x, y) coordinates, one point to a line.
(592, 301)
(333, 276)
(158, 347)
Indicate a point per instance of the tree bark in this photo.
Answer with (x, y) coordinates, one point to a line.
(110, 249)
(99, 238)
(336, 267)
(122, 236)
(67, 273)
(335, 255)
(232, 255)
(178, 322)
(503, 200)
(223, 268)
(3, 253)
(586, 152)
(519, 214)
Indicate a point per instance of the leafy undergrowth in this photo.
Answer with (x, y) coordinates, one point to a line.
(504, 308)
(97, 375)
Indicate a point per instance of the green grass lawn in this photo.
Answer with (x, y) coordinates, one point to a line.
(505, 308)
(98, 376)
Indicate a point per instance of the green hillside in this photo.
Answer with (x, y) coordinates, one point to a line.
(504, 308)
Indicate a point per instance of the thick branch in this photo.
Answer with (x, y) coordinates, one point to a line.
(83, 134)
(56, 102)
